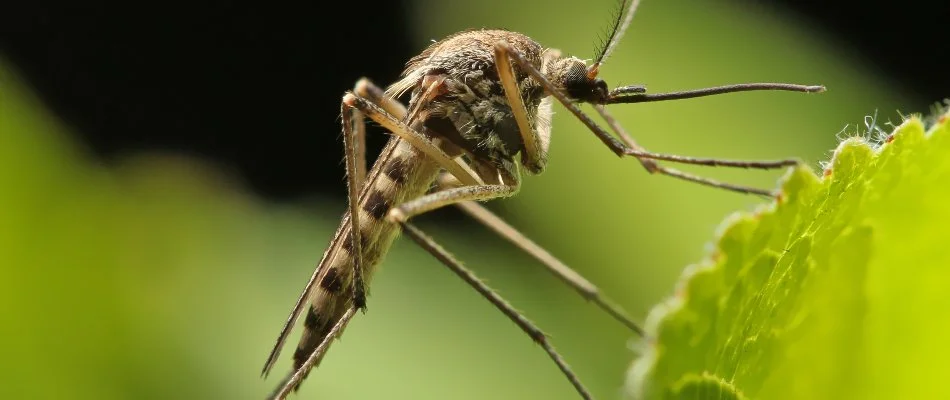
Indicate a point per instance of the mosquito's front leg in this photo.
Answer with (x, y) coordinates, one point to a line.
(648, 159)
(504, 51)
(354, 144)
(638, 151)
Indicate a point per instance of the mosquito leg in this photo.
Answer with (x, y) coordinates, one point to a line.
(400, 214)
(638, 151)
(407, 133)
(377, 107)
(366, 89)
(715, 162)
(527, 326)
(354, 143)
(354, 133)
(446, 197)
(534, 154)
(369, 91)
(503, 50)
(585, 288)
(357, 139)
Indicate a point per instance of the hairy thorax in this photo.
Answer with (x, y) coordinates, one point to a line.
(471, 109)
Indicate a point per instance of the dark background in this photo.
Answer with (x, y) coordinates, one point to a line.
(256, 87)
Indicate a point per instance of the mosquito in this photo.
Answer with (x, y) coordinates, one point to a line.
(479, 99)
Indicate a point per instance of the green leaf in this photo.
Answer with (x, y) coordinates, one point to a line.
(838, 289)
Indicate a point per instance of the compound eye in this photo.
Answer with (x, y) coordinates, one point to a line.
(576, 83)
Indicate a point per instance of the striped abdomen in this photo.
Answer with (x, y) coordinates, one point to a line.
(401, 173)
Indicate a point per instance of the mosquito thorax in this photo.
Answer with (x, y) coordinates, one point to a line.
(471, 110)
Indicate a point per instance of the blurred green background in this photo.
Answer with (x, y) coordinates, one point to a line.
(164, 278)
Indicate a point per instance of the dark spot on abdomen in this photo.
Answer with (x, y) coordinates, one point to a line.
(331, 281)
(312, 322)
(397, 170)
(376, 205)
(348, 243)
(301, 355)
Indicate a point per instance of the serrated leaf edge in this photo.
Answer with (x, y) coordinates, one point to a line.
(639, 373)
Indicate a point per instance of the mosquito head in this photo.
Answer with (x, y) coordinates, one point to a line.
(579, 82)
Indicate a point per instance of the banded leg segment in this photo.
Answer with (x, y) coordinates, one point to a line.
(646, 158)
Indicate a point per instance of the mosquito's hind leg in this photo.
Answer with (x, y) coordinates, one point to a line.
(370, 102)
(354, 139)
(585, 288)
(386, 112)
(400, 215)
(354, 144)
(526, 325)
